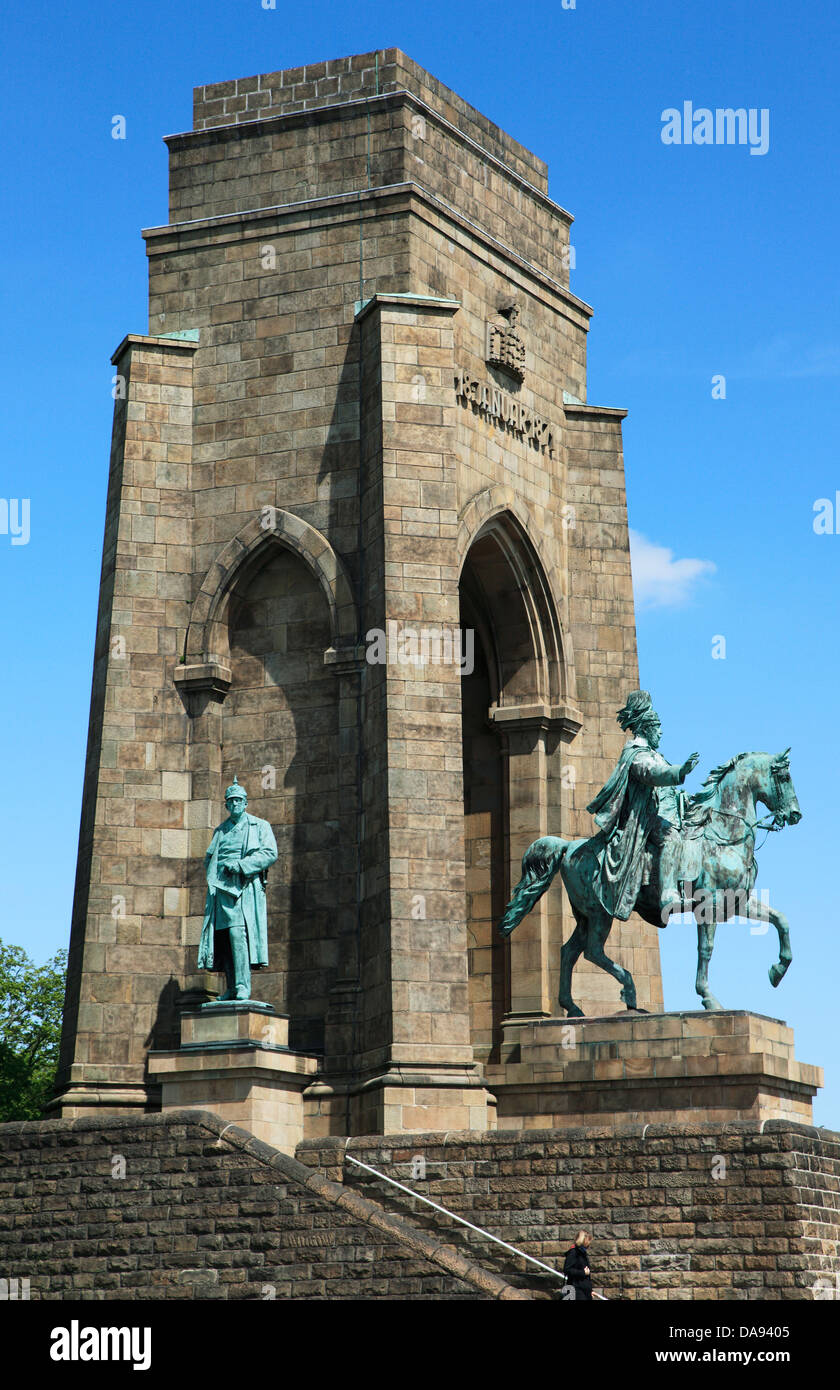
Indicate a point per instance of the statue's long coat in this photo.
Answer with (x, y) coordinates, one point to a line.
(259, 852)
(626, 810)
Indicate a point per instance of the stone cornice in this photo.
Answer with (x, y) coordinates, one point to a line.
(409, 302)
(152, 340)
(562, 718)
(211, 676)
(593, 412)
(160, 240)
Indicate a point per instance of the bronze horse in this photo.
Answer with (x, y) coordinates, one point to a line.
(717, 868)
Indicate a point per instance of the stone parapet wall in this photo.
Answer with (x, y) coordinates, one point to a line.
(354, 78)
(184, 1207)
(680, 1212)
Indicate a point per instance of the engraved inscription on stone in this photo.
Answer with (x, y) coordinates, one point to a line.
(505, 411)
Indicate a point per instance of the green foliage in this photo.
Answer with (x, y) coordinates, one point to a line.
(31, 999)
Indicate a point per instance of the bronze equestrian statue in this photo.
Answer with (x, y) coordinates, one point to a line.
(657, 852)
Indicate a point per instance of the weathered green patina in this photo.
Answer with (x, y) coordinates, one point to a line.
(234, 935)
(657, 853)
(637, 808)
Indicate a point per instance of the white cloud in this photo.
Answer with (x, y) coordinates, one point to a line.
(790, 355)
(659, 580)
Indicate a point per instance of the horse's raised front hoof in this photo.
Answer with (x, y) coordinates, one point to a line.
(777, 973)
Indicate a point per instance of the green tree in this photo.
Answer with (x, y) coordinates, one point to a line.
(31, 999)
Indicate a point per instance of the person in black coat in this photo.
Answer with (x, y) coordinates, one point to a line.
(576, 1266)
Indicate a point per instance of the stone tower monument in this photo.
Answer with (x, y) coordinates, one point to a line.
(366, 550)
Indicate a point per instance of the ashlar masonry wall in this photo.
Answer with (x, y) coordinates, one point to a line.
(185, 1207)
(680, 1212)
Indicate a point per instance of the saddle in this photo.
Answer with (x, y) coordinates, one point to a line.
(689, 825)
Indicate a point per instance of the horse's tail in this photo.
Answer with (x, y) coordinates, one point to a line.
(540, 863)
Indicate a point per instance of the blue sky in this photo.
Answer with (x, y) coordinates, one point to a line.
(700, 260)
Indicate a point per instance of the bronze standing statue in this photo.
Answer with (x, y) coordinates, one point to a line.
(657, 853)
(235, 932)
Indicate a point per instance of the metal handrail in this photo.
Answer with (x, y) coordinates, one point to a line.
(463, 1221)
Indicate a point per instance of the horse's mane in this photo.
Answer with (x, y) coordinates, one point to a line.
(707, 792)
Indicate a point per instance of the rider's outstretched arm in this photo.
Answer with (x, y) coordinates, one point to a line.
(652, 769)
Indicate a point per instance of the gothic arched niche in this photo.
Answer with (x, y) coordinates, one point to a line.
(518, 662)
(279, 736)
(484, 837)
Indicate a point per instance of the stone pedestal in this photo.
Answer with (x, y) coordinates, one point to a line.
(404, 1099)
(651, 1069)
(234, 1059)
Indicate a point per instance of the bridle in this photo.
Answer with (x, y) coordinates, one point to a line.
(770, 823)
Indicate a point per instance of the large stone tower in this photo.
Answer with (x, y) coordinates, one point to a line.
(356, 426)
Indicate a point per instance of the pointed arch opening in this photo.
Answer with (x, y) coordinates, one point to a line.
(259, 677)
(519, 679)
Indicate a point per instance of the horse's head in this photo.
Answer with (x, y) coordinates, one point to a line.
(778, 794)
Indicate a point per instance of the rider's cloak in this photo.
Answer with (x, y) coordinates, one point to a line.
(626, 810)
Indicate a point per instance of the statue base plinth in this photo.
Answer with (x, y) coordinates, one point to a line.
(651, 1069)
(404, 1096)
(234, 1059)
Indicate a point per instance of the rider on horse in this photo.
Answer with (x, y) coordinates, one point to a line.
(711, 848)
(637, 808)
